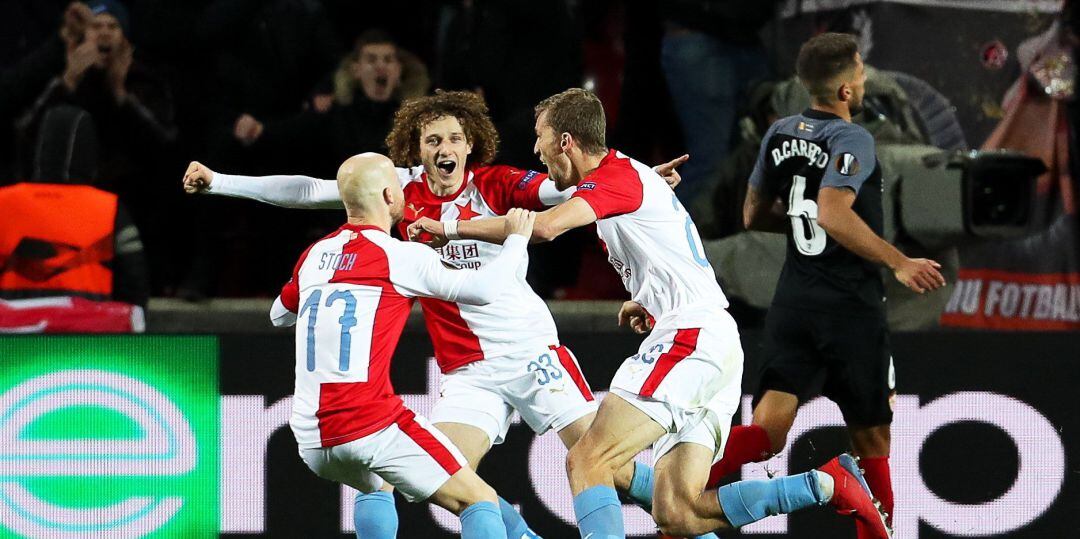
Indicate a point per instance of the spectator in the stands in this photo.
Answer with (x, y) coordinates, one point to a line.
(368, 87)
(711, 53)
(59, 235)
(32, 48)
(131, 108)
(276, 56)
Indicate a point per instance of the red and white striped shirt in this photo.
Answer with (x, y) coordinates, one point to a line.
(520, 320)
(352, 292)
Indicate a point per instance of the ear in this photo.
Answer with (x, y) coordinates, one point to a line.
(566, 141)
(388, 196)
(844, 93)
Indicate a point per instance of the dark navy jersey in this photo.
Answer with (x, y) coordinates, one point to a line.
(799, 155)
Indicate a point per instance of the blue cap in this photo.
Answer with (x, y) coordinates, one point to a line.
(114, 8)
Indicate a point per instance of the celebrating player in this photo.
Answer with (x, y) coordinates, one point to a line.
(817, 181)
(682, 387)
(351, 294)
(496, 358)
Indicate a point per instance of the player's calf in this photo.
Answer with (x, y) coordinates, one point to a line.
(475, 503)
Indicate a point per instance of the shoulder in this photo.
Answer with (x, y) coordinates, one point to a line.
(848, 136)
(409, 175)
(618, 170)
(502, 175)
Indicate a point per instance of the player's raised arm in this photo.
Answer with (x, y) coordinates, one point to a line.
(427, 275)
(302, 192)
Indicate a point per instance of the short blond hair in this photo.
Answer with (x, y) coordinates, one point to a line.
(578, 112)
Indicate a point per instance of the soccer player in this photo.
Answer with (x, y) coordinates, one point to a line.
(680, 391)
(817, 181)
(495, 358)
(351, 294)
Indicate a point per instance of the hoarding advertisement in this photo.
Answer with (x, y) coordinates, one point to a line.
(109, 437)
(137, 436)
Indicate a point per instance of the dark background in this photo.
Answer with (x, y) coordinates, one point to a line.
(963, 463)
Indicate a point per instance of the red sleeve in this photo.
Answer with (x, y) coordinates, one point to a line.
(611, 193)
(290, 293)
(506, 187)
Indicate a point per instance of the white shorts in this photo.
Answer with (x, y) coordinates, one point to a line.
(545, 386)
(409, 454)
(688, 380)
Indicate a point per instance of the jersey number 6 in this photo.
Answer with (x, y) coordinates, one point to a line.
(808, 235)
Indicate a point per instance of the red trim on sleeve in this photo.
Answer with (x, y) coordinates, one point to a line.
(613, 189)
(290, 293)
(684, 345)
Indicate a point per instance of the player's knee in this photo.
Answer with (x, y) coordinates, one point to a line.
(475, 494)
(579, 458)
(586, 457)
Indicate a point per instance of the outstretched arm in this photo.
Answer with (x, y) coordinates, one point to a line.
(285, 191)
(550, 224)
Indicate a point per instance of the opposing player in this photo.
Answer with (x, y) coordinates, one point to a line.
(496, 358)
(817, 181)
(681, 389)
(351, 293)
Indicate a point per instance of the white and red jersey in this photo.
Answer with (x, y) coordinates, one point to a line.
(519, 320)
(352, 292)
(652, 242)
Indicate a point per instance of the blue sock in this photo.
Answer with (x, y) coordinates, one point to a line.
(599, 513)
(750, 501)
(516, 528)
(375, 516)
(482, 520)
(641, 486)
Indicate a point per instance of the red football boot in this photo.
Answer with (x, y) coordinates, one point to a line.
(852, 496)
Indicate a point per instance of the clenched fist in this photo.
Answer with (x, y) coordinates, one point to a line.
(197, 179)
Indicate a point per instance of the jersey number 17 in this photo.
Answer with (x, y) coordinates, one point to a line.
(331, 323)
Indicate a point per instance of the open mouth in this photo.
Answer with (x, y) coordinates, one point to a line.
(104, 49)
(447, 166)
(382, 81)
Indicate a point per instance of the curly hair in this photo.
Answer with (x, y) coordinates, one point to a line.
(467, 107)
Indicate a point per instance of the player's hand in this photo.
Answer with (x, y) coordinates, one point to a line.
(519, 221)
(76, 18)
(921, 275)
(429, 231)
(198, 178)
(668, 172)
(634, 315)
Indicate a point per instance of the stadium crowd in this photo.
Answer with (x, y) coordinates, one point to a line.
(296, 86)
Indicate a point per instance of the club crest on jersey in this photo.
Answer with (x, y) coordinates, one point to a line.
(528, 177)
(587, 186)
(847, 164)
